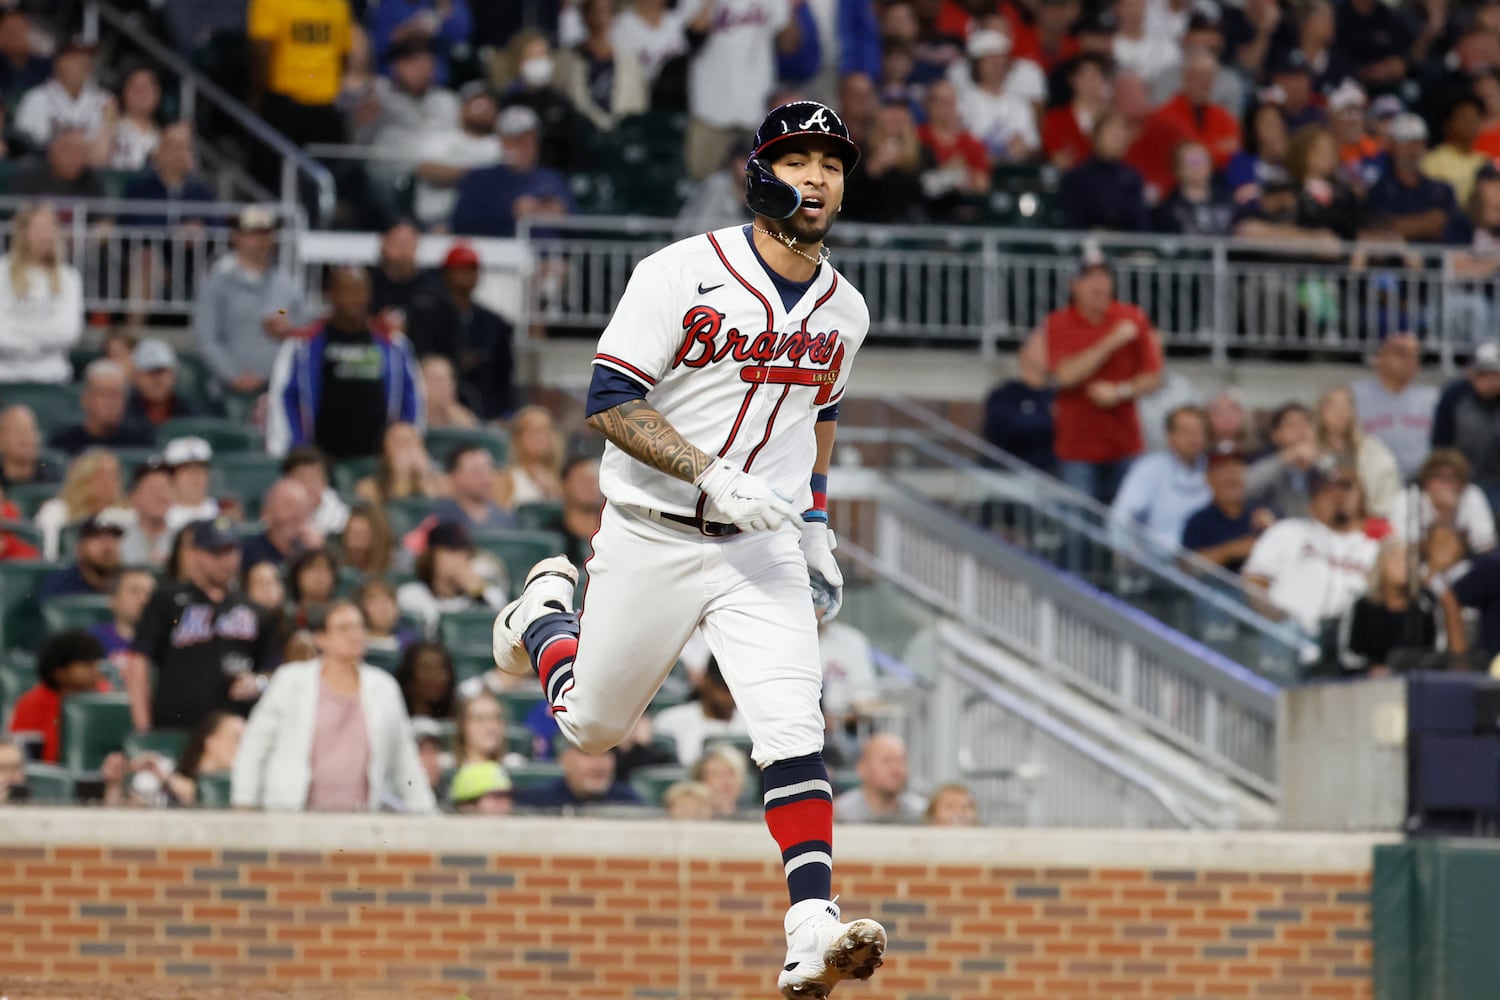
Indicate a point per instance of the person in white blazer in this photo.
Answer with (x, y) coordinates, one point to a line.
(331, 734)
(41, 301)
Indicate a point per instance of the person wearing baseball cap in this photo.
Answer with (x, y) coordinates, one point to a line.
(148, 537)
(71, 99)
(449, 150)
(97, 558)
(476, 341)
(492, 200)
(998, 107)
(1225, 529)
(154, 399)
(1419, 208)
(1313, 568)
(246, 307)
(1102, 353)
(482, 790)
(190, 461)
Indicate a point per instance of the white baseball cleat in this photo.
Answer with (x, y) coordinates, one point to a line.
(549, 588)
(821, 952)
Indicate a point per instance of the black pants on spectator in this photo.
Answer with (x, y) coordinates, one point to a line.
(303, 125)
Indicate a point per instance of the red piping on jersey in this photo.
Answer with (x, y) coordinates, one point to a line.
(788, 376)
(750, 392)
(632, 369)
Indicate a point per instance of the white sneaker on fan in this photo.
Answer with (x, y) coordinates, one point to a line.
(822, 952)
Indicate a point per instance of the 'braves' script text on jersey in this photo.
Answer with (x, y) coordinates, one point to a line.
(703, 329)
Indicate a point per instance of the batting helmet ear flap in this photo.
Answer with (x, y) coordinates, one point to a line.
(767, 194)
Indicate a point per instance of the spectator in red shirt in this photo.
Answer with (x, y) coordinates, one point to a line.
(68, 664)
(961, 163)
(1066, 130)
(1189, 115)
(1102, 354)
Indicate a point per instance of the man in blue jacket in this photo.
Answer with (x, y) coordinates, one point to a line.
(340, 384)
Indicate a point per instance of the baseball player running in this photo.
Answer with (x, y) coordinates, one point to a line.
(717, 383)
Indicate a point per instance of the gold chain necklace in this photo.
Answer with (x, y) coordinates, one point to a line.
(823, 252)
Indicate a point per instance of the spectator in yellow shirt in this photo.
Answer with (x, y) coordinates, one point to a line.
(1455, 162)
(297, 54)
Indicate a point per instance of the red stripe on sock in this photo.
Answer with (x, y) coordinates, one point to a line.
(556, 653)
(800, 822)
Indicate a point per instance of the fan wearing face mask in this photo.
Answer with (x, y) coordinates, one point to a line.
(527, 76)
(1313, 568)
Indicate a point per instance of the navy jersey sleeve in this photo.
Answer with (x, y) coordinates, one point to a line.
(609, 388)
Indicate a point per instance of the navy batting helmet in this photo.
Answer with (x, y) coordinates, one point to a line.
(767, 194)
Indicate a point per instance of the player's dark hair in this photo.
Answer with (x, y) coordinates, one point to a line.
(456, 456)
(71, 646)
(406, 676)
(304, 455)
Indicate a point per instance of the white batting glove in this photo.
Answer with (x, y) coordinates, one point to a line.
(743, 500)
(818, 542)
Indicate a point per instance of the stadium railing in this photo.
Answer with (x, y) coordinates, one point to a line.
(298, 169)
(986, 287)
(128, 266)
(1176, 688)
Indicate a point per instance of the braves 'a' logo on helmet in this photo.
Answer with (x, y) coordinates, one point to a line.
(819, 118)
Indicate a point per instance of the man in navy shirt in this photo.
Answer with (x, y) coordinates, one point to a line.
(491, 200)
(1417, 207)
(105, 422)
(1018, 413)
(98, 559)
(171, 179)
(588, 780)
(1225, 531)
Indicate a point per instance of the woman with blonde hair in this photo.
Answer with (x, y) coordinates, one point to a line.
(533, 472)
(93, 484)
(41, 301)
(1339, 435)
(724, 771)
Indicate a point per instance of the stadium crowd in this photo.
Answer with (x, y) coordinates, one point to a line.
(1366, 517)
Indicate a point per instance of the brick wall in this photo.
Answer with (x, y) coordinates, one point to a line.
(531, 908)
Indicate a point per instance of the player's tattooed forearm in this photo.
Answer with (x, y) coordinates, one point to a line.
(644, 434)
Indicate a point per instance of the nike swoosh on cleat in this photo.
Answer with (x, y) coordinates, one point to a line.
(710, 288)
(790, 966)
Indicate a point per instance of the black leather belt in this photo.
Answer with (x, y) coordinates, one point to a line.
(713, 529)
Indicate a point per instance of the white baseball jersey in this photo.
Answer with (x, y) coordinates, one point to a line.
(703, 327)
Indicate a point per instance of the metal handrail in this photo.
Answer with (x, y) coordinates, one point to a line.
(294, 160)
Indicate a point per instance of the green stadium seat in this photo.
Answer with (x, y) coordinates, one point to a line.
(245, 476)
(469, 663)
(407, 512)
(17, 676)
(168, 743)
(93, 727)
(80, 358)
(48, 784)
(30, 496)
(55, 405)
(76, 611)
(350, 471)
(23, 531)
(537, 774)
(386, 659)
(539, 516)
(213, 791)
(651, 783)
(193, 378)
(131, 458)
(518, 704)
(224, 435)
(239, 406)
(843, 780)
(467, 631)
(519, 550)
(518, 740)
(20, 611)
(442, 440)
